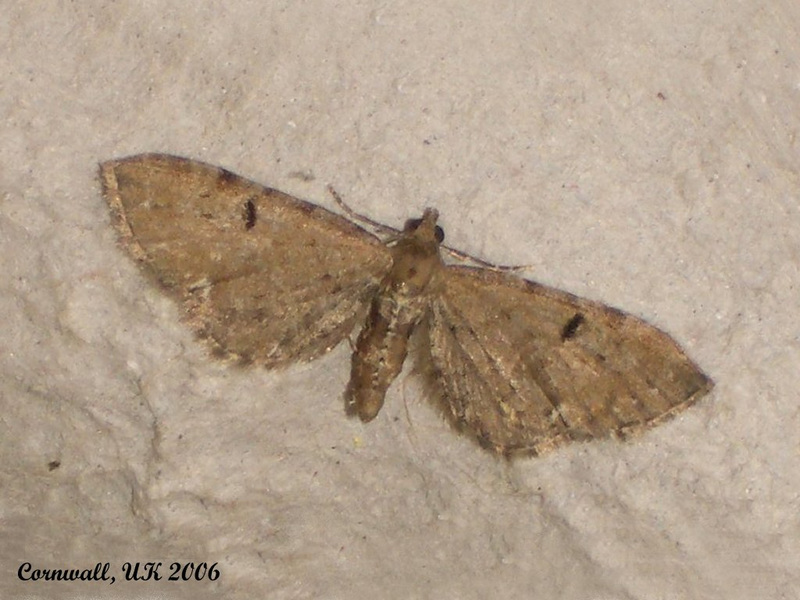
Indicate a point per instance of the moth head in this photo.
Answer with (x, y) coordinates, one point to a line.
(425, 227)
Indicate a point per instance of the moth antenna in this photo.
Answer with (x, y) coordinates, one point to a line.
(458, 254)
(385, 229)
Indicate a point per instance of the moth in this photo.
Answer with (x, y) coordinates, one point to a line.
(269, 279)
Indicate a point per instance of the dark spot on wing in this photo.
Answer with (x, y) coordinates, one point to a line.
(571, 327)
(305, 207)
(249, 214)
(226, 178)
(53, 465)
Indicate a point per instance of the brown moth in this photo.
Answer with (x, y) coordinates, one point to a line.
(270, 279)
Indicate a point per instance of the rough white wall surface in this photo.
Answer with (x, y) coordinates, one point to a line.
(642, 154)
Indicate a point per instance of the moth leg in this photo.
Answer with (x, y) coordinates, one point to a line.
(411, 433)
(384, 229)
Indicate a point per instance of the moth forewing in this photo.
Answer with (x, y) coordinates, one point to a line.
(265, 277)
(537, 366)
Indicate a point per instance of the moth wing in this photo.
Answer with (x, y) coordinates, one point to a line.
(525, 367)
(267, 278)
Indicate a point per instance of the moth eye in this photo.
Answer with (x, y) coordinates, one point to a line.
(412, 224)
